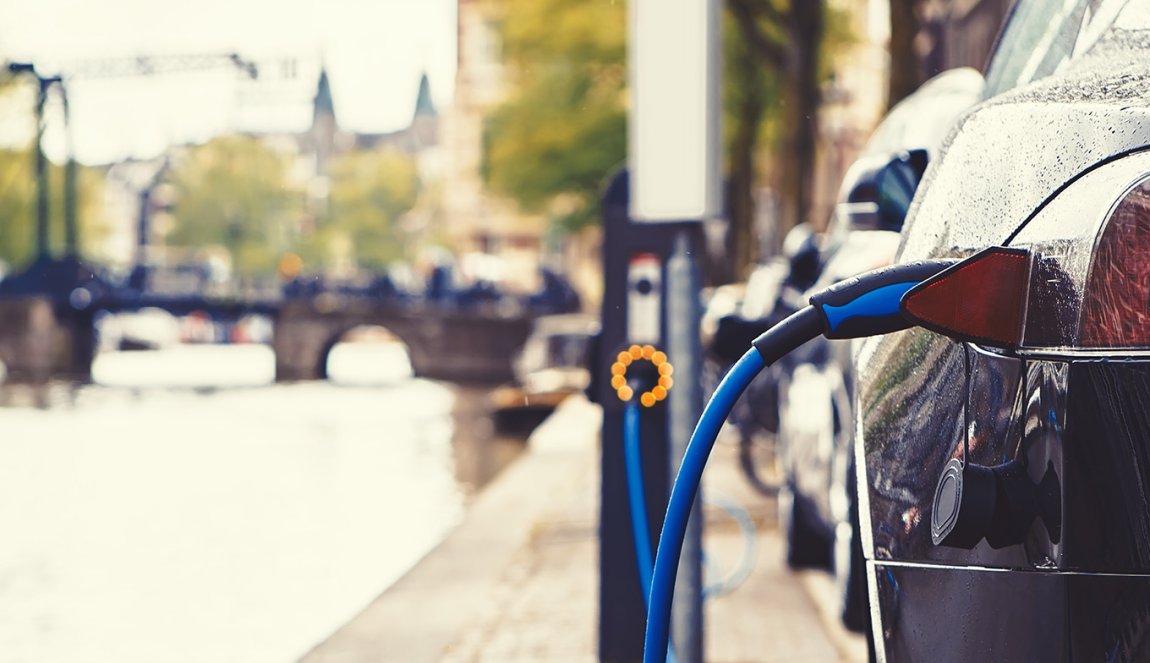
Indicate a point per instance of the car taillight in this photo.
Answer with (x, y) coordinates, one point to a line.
(1075, 280)
(1116, 299)
(981, 299)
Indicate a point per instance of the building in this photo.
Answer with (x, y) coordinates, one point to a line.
(960, 33)
(854, 99)
(326, 138)
(952, 33)
(488, 234)
(309, 152)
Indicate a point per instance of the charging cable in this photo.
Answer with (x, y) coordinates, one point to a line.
(640, 522)
(637, 501)
(866, 305)
(636, 498)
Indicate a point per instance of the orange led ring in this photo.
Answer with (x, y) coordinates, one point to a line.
(634, 354)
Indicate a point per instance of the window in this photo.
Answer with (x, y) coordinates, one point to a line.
(1043, 35)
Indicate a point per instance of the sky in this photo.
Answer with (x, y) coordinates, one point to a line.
(374, 51)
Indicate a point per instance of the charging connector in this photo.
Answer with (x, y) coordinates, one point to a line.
(868, 304)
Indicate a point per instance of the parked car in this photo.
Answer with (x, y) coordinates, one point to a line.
(734, 316)
(816, 385)
(806, 399)
(1034, 395)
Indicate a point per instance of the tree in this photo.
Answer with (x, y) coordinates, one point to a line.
(550, 146)
(906, 71)
(18, 193)
(17, 201)
(18, 208)
(788, 42)
(553, 142)
(750, 97)
(233, 192)
(369, 193)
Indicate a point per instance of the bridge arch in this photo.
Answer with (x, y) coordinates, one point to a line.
(356, 349)
(443, 344)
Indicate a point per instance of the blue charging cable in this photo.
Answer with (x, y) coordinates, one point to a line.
(640, 522)
(636, 498)
(866, 305)
(683, 497)
(637, 502)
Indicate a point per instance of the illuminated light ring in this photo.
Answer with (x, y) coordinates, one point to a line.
(637, 353)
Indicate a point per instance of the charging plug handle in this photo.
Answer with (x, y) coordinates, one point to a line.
(868, 304)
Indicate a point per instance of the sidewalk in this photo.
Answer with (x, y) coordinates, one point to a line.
(517, 580)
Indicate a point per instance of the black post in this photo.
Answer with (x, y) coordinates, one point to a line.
(41, 165)
(139, 277)
(143, 226)
(685, 402)
(71, 192)
(622, 609)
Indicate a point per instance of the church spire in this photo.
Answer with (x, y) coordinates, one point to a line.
(424, 106)
(324, 106)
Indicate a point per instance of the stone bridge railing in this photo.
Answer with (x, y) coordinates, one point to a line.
(38, 343)
(456, 346)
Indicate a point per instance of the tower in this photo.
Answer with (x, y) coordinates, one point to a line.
(323, 123)
(424, 106)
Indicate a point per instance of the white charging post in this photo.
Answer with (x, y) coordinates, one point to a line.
(673, 129)
(674, 164)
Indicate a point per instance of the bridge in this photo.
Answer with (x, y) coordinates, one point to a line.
(48, 313)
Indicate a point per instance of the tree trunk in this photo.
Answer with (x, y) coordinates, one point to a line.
(800, 112)
(742, 242)
(746, 105)
(905, 67)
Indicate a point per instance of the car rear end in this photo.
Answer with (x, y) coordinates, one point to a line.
(1031, 387)
(1047, 396)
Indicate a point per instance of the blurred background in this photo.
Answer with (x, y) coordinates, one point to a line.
(266, 265)
(370, 138)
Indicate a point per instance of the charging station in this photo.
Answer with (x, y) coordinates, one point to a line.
(652, 241)
(636, 256)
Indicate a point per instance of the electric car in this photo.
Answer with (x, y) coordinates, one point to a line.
(1003, 448)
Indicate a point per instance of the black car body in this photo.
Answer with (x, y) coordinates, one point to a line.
(1056, 163)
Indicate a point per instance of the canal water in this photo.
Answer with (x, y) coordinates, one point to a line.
(187, 509)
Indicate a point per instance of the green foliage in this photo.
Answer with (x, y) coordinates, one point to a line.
(17, 193)
(17, 207)
(232, 192)
(18, 189)
(563, 129)
(93, 227)
(369, 193)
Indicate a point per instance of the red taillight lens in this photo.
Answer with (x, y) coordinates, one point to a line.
(981, 299)
(1116, 301)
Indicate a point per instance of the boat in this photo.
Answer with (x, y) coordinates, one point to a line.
(553, 364)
